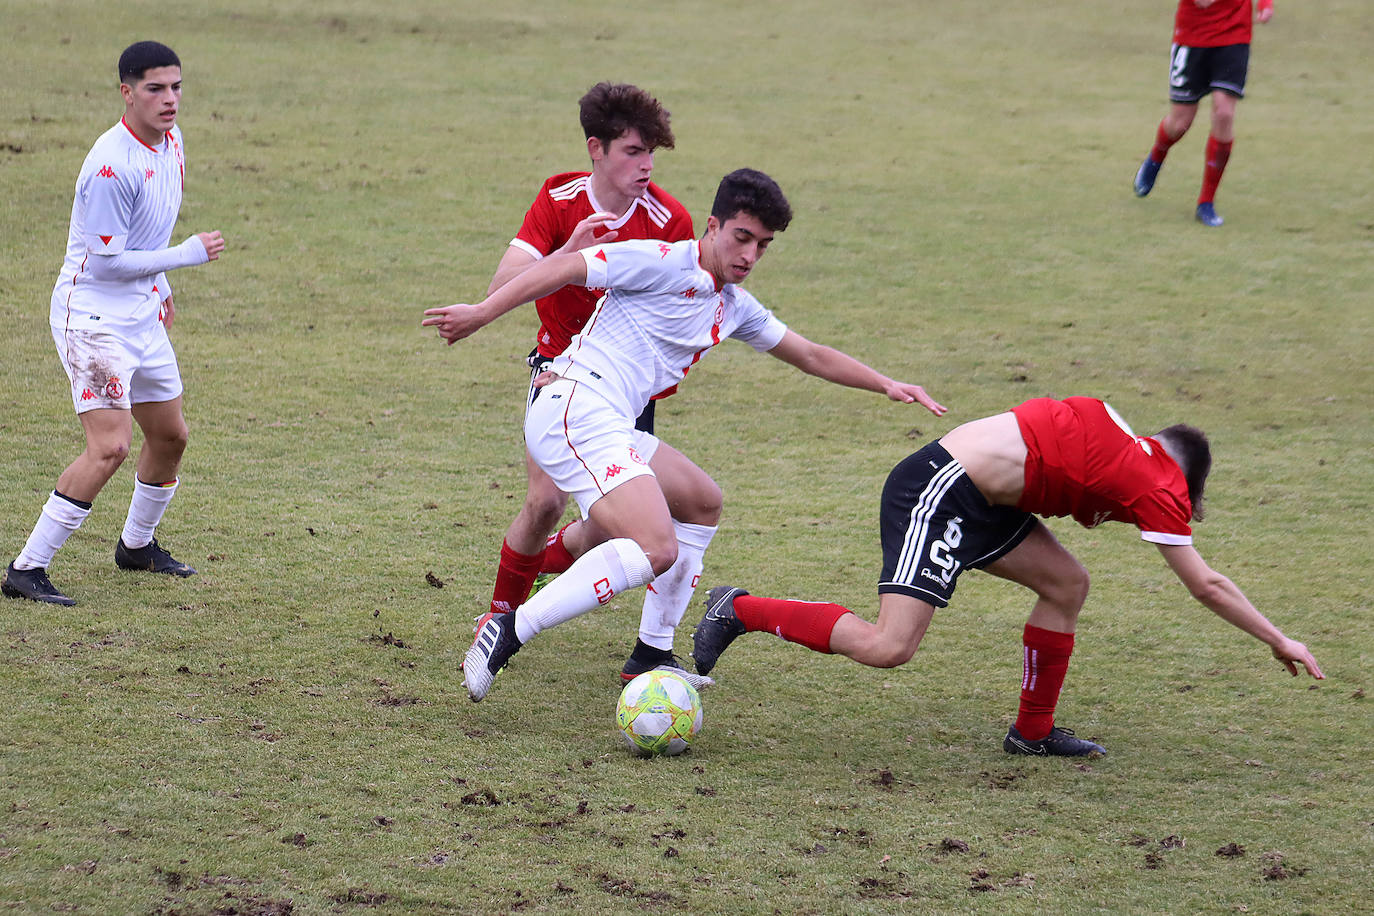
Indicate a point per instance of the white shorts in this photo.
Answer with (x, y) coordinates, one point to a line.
(113, 371)
(584, 444)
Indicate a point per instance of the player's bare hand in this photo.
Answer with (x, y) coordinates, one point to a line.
(1265, 12)
(584, 233)
(546, 377)
(454, 322)
(213, 242)
(168, 312)
(1293, 653)
(915, 394)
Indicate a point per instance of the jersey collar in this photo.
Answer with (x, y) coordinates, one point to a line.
(164, 139)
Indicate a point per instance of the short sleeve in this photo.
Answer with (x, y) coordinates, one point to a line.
(109, 196)
(758, 326)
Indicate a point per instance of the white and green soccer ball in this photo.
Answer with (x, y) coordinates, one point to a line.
(659, 713)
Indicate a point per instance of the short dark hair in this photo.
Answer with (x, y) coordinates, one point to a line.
(753, 192)
(1195, 459)
(142, 56)
(608, 110)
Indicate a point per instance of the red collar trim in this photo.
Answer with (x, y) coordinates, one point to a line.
(714, 282)
(137, 137)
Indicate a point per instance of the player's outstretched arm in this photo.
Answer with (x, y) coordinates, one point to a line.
(843, 369)
(1220, 595)
(454, 322)
(517, 260)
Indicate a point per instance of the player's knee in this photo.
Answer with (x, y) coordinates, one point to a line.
(707, 504)
(1072, 588)
(545, 509)
(661, 551)
(109, 454)
(173, 442)
(892, 653)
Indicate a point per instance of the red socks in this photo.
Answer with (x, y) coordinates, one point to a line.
(556, 556)
(1217, 155)
(1045, 661)
(514, 579)
(807, 623)
(1162, 143)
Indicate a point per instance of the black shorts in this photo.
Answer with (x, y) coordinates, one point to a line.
(1194, 72)
(539, 363)
(935, 524)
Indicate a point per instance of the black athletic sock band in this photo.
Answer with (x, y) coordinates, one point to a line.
(79, 503)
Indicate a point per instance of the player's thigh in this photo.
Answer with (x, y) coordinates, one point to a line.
(637, 510)
(540, 490)
(1045, 566)
(109, 432)
(156, 377)
(692, 495)
(162, 422)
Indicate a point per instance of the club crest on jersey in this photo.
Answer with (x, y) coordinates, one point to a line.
(114, 388)
(689, 293)
(634, 456)
(148, 173)
(720, 310)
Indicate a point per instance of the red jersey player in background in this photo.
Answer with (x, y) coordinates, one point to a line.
(615, 201)
(1210, 54)
(969, 500)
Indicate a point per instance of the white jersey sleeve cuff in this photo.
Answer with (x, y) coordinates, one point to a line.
(1169, 540)
(527, 248)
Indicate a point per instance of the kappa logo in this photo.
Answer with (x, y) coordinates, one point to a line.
(87, 394)
(663, 250)
(613, 470)
(148, 173)
(106, 172)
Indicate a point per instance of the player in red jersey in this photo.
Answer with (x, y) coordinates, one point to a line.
(615, 201)
(969, 500)
(1210, 54)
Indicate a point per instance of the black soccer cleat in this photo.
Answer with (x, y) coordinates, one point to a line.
(150, 558)
(1060, 742)
(718, 628)
(491, 648)
(32, 584)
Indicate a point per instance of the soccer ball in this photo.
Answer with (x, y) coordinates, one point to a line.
(659, 713)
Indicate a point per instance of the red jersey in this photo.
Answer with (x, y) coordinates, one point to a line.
(563, 202)
(1225, 22)
(1083, 460)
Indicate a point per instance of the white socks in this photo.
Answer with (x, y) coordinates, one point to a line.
(58, 520)
(145, 511)
(668, 598)
(598, 575)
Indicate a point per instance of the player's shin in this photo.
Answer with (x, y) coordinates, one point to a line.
(598, 575)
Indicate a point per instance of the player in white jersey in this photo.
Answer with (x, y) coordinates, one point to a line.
(666, 306)
(110, 311)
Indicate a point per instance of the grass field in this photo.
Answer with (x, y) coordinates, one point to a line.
(287, 732)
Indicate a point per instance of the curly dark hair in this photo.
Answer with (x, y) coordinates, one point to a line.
(753, 192)
(1195, 459)
(608, 110)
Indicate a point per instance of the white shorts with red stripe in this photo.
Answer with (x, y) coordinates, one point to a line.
(117, 370)
(583, 443)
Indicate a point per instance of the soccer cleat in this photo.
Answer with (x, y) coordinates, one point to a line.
(491, 648)
(718, 628)
(541, 580)
(634, 669)
(33, 584)
(1207, 215)
(150, 558)
(1145, 176)
(1060, 742)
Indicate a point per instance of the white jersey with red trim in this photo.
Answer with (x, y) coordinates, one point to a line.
(128, 195)
(661, 313)
(1083, 460)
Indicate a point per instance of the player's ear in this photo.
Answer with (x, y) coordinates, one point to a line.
(595, 149)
